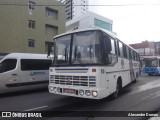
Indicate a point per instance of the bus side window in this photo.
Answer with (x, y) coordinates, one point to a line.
(112, 56)
(130, 55)
(134, 55)
(137, 56)
(7, 65)
(127, 50)
(121, 53)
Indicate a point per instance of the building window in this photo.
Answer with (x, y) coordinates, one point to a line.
(69, 18)
(52, 13)
(53, 30)
(69, 13)
(48, 45)
(67, 6)
(141, 51)
(31, 43)
(157, 48)
(31, 5)
(67, 2)
(103, 24)
(31, 24)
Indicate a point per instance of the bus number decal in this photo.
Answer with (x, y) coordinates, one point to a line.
(102, 71)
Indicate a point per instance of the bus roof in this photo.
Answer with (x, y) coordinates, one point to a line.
(26, 56)
(87, 29)
(95, 28)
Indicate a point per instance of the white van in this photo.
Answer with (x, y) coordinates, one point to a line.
(19, 71)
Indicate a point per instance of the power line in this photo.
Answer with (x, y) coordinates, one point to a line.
(112, 5)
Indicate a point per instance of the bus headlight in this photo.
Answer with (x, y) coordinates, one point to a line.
(59, 89)
(52, 88)
(81, 92)
(87, 92)
(51, 70)
(94, 93)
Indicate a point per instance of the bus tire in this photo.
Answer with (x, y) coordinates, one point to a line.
(135, 78)
(115, 94)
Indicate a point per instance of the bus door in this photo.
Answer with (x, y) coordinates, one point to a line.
(131, 67)
(131, 70)
(9, 74)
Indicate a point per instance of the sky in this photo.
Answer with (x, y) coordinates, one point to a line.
(132, 23)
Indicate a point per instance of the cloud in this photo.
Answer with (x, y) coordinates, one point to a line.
(131, 23)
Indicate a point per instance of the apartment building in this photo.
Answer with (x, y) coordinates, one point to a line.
(75, 8)
(145, 48)
(29, 25)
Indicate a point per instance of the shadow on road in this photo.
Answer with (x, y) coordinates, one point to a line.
(22, 92)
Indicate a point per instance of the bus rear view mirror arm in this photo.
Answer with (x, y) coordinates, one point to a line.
(50, 49)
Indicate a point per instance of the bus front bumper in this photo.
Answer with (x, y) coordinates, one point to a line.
(82, 93)
(153, 71)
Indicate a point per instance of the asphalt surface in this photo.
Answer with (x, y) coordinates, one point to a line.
(141, 96)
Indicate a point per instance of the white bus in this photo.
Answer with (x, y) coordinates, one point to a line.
(151, 65)
(20, 71)
(94, 64)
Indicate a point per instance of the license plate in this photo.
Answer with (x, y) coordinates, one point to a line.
(70, 91)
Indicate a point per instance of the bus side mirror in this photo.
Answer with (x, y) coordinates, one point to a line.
(0, 67)
(109, 58)
(49, 50)
(112, 59)
(108, 44)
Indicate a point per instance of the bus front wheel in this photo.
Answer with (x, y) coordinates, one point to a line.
(115, 94)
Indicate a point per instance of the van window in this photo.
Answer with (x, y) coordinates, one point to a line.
(7, 65)
(35, 64)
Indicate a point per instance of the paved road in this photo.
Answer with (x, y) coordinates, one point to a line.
(142, 96)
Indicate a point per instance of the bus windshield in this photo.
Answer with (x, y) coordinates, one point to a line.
(78, 48)
(151, 63)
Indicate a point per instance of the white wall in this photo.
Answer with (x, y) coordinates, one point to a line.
(85, 21)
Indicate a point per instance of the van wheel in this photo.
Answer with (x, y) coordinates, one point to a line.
(115, 94)
(149, 74)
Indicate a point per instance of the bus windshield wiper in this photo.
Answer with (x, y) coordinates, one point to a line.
(66, 54)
